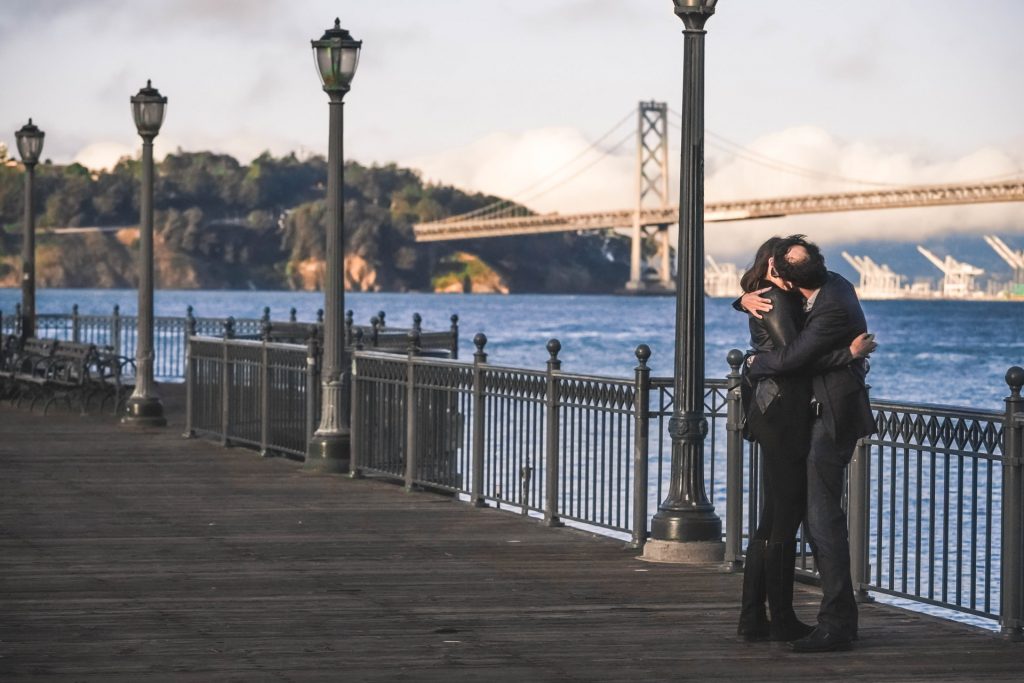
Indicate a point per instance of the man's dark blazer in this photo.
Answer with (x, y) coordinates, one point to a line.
(834, 320)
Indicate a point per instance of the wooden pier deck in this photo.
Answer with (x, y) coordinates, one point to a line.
(137, 555)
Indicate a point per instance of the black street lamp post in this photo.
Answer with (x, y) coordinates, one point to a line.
(30, 146)
(144, 406)
(686, 527)
(336, 55)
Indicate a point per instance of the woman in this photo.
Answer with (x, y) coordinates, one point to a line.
(779, 418)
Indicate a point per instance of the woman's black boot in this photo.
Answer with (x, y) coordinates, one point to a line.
(779, 561)
(753, 617)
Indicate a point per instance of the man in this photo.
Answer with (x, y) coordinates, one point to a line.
(843, 415)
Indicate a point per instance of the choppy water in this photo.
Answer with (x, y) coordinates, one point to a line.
(944, 352)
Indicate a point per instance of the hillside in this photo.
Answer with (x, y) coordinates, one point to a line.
(223, 224)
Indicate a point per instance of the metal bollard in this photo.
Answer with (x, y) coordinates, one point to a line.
(1011, 612)
(551, 451)
(76, 331)
(641, 433)
(734, 463)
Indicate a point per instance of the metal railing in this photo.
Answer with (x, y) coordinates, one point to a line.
(265, 394)
(170, 334)
(935, 498)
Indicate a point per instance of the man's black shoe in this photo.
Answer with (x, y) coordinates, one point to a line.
(821, 640)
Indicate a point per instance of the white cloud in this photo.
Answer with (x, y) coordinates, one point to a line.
(506, 164)
(103, 155)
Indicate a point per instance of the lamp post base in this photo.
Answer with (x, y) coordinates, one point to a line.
(676, 552)
(144, 412)
(328, 454)
(696, 524)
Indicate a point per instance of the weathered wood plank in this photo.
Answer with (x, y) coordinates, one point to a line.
(128, 555)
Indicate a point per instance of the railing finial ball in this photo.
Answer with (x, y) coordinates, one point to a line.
(1015, 378)
(554, 346)
(480, 341)
(454, 319)
(734, 358)
(643, 353)
(374, 321)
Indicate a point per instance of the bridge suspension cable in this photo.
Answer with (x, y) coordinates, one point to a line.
(511, 206)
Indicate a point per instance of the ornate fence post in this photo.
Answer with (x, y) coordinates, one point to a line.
(417, 323)
(190, 324)
(312, 383)
(356, 406)
(858, 519)
(479, 408)
(18, 319)
(349, 321)
(641, 432)
(265, 385)
(293, 315)
(75, 324)
(551, 447)
(225, 388)
(115, 330)
(265, 318)
(410, 408)
(374, 331)
(191, 371)
(734, 463)
(1011, 612)
(380, 317)
(453, 345)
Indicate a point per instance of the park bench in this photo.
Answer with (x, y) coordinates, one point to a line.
(112, 379)
(47, 370)
(23, 360)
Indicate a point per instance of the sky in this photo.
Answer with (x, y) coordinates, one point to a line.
(495, 95)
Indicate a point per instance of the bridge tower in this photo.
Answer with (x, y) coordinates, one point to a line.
(651, 192)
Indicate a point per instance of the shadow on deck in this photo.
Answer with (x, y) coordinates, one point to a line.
(128, 555)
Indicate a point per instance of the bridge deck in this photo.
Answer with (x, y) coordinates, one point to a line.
(128, 556)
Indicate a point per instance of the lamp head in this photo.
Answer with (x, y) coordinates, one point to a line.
(694, 12)
(148, 108)
(30, 143)
(337, 56)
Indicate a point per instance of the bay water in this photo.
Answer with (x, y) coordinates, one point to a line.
(941, 352)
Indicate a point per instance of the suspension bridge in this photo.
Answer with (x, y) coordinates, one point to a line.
(653, 213)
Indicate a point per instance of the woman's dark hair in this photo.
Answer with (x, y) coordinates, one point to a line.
(809, 273)
(754, 278)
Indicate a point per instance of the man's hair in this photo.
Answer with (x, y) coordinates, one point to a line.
(808, 273)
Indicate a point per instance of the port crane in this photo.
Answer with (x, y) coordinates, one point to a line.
(1014, 258)
(958, 282)
(721, 279)
(876, 281)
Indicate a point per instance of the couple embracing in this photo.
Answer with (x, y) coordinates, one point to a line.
(806, 404)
